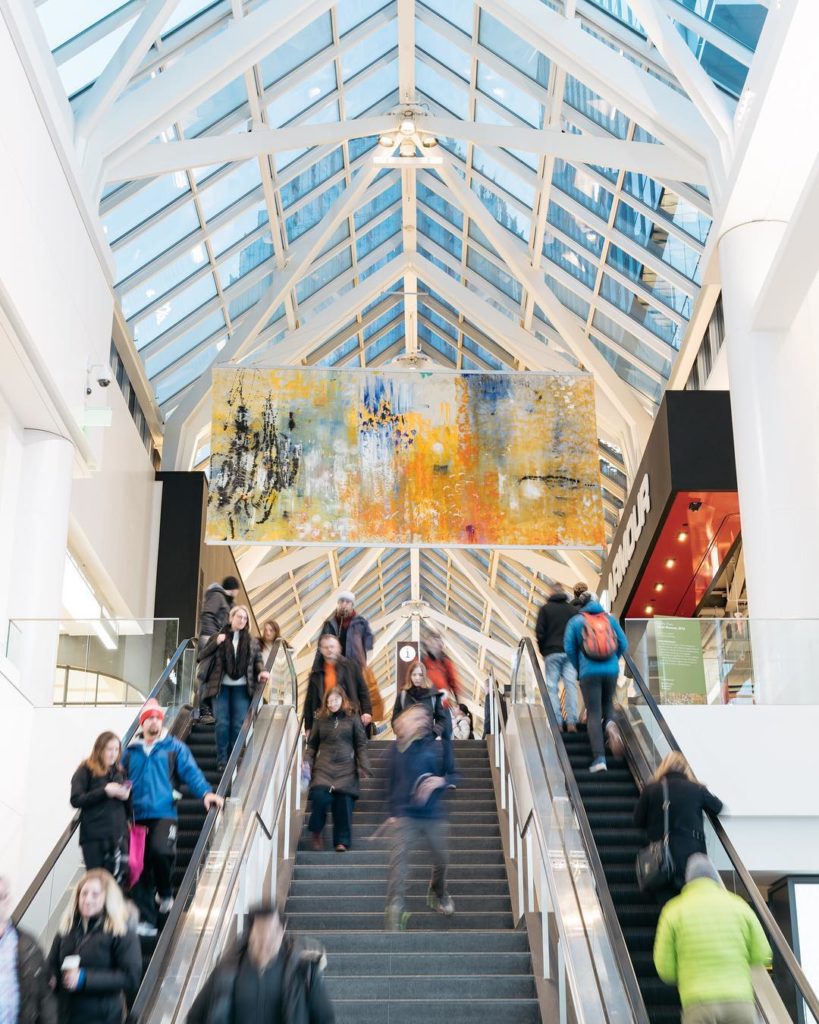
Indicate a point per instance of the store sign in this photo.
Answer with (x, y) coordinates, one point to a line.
(634, 527)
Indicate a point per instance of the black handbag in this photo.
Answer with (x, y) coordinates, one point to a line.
(655, 865)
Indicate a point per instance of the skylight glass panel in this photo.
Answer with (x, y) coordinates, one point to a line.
(502, 176)
(442, 50)
(436, 261)
(506, 214)
(388, 340)
(129, 213)
(208, 326)
(625, 339)
(241, 263)
(174, 310)
(310, 178)
(572, 262)
(442, 89)
(381, 262)
(80, 71)
(385, 318)
(369, 241)
(481, 353)
(638, 309)
(308, 215)
(495, 36)
(188, 372)
(288, 105)
(358, 147)
(322, 276)
(657, 240)
(580, 185)
(213, 109)
(620, 10)
(185, 11)
(569, 298)
(459, 13)
(370, 49)
(446, 239)
(430, 338)
(668, 204)
(579, 231)
(161, 235)
(163, 281)
(377, 205)
(371, 89)
(649, 281)
(494, 275)
(597, 108)
(297, 50)
(508, 95)
(350, 13)
(440, 205)
(443, 327)
(240, 227)
(219, 196)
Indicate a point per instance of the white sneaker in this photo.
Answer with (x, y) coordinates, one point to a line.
(165, 905)
(599, 765)
(146, 929)
(615, 739)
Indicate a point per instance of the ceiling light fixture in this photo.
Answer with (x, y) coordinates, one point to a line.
(407, 148)
(387, 141)
(649, 609)
(407, 126)
(429, 142)
(658, 587)
(682, 536)
(670, 563)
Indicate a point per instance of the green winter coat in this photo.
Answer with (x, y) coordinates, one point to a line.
(707, 941)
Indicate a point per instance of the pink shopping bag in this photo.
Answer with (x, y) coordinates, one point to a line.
(136, 853)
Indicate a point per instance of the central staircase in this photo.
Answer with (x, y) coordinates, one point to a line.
(472, 967)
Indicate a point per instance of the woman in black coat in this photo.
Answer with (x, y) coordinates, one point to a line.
(236, 672)
(104, 965)
(337, 755)
(101, 792)
(418, 689)
(688, 799)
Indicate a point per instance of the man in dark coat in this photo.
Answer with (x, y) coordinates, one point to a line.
(552, 620)
(213, 618)
(352, 629)
(25, 995)
(267, 978)
(332, 670)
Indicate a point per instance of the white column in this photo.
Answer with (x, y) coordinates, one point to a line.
(38, 561)
(774, 383)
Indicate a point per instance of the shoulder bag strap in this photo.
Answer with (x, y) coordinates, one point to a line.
(666, 806)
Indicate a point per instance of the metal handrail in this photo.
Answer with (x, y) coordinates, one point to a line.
(190, 879)
(778, 940)
(70, 829)
(615, 932)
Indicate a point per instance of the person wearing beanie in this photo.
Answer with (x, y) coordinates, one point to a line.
(550, 629)
(153, 761)
(219, 599)
(356, 639)
(707, 941)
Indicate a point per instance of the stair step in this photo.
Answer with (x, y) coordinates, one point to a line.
(442, 988)
(474, 843)
(344, 886)
(477, 964)
(461, 1010)
(420, 920)
(607, 804)
(348, 903)
(441, 942)
(317, 873)
(373, 853)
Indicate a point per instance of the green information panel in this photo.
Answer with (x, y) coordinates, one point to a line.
(679, 661)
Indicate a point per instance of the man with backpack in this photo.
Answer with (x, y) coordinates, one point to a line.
(594, 644)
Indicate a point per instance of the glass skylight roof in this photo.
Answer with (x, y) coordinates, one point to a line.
(201, 251)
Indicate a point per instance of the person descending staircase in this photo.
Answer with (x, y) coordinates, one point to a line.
(474, 966)
(192, 814)
(609, 799)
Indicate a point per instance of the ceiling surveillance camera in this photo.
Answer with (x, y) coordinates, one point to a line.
(100, 374)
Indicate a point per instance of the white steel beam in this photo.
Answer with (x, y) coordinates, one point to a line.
(795, 264)
(406, 93)
(501, 607)
(270, 572)
(144, 113)
(503, 651)
(163, 158)
(119, 70)
(517, 262)
(663, 112)
(542, 562)
(689, 72)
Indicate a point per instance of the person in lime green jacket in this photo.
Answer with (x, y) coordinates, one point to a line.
(707, 941)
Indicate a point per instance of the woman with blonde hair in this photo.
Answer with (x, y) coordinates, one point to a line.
(95, 959)
(101, 792)
(418, 689)
(235, 673)
(687, 802)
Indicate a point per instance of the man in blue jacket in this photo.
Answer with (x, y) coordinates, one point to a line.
(153, 762)
(594, 643)
(416, 784)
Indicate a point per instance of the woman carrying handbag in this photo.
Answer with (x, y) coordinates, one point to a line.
(670, 809)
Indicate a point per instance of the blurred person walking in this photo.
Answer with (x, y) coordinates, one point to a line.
(331, 670)
(155, 763)
(356, 639)
(337, 758)
(267, 977)
(550, 629)
(102, 794)
(25, 994)
(417, 779)
(95, 960)
(278, 676)
(213, 618)
(687, 800)
(440, 667)
(594, 643)
(236, 671)
(707, 941)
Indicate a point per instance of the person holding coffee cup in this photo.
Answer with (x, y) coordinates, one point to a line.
(102, 793)
(95, 960)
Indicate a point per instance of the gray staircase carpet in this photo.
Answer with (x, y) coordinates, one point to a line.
(474, 966)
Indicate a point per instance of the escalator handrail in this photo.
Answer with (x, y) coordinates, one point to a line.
(778, 940)
(612, 922)
(56, 852)
(187, 886)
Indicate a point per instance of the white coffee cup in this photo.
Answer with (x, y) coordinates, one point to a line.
(71, 963)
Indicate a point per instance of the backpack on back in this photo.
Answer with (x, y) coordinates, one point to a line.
(598, 639)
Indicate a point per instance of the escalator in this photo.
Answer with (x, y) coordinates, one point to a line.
(603, 806)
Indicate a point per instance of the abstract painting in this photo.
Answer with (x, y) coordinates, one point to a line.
(398, 457)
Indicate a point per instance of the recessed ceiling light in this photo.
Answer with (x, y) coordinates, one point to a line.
(407, 126)
(670, 563)
(658, 587)
(649, 609)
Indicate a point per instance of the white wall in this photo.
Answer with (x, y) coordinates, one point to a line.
(762, 763)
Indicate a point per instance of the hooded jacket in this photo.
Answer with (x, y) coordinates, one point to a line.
(707, 940)
(573, 645)
(304, 994)
(359, 639)
(38, 1004)
(552, 620)
(348, 677)
(422, 757)
(112, 969)
(337, 752)
(154, 776)
(214, 615)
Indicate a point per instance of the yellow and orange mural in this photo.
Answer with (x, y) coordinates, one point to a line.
(404, 457)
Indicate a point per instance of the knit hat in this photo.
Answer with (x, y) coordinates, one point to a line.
(699, 866)
(346, 595)
(151, 709)
(230, 583)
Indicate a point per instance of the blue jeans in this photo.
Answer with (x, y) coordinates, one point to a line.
(557, 666)
(230, 706)
(323, 800)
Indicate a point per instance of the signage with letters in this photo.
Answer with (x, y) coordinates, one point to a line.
(634, 527)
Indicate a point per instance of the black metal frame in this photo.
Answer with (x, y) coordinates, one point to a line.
(612, 922)
(70, 829)
(777, 939)
(187, 887)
